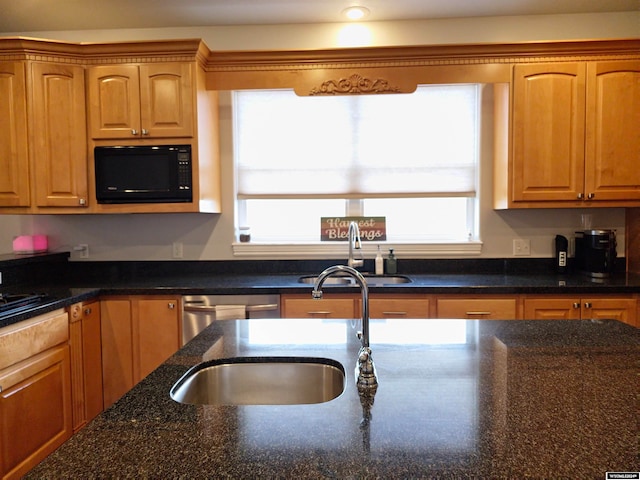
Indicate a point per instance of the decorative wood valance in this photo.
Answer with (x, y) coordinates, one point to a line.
(370, 70)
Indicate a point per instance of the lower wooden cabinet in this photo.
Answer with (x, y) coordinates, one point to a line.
(35, 392)
(396, 306)
(576, 308)
(485, 307)
(86, 362)
(331, 306)
(138, 334)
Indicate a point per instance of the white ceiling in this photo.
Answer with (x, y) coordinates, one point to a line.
(57, 15)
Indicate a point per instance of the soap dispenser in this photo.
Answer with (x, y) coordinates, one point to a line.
(392, 265)
(379, 263)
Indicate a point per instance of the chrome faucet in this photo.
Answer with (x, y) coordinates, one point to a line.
(365, 369)
(354, 244)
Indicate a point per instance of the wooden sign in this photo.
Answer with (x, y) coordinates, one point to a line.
(336, 229)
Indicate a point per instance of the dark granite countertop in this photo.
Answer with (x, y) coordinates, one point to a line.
(64, 293)
(465, 399)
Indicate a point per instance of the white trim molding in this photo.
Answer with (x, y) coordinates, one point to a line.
(318, 250)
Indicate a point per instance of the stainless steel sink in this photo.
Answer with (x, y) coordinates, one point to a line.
(372, 280)
(311, 279)
(261, 381)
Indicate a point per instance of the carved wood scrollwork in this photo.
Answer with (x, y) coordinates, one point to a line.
(354, 85)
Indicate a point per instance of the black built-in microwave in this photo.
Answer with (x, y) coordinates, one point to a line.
(143, 174)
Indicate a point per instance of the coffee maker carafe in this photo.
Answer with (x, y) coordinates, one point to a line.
(596, 252)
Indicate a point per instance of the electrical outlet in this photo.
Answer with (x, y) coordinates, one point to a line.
(521, 247)
(177, 250)
(84, 250)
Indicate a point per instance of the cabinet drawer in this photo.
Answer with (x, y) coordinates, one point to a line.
(480, 308)
(329, 307)
(30, 337)
(399, 307)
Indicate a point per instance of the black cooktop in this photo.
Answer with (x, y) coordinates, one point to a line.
(13, 303)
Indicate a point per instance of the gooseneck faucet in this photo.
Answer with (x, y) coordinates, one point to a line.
(365, 369)
(354, 244)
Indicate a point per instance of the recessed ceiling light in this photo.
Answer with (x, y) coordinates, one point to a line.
(355, 13)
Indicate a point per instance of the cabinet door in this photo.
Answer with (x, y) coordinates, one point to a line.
(92, 360)
(331, 306)
(117, 351)
(552, 309)
(35, 410)
(548, 132)
(114, 101)
(156, 333)
(623, 309)
(59, 135)
(14, 153)
(398, 307)
(166, 100)
(477, 308)
(613, 142)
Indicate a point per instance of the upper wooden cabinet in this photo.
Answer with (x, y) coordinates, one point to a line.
(573, 138)
(43, 139)
(141, 101)
(14, 151)
(58, 135)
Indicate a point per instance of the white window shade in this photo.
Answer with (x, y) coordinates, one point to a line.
(421, 144)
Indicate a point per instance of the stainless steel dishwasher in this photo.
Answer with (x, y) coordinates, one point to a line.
(199, 311)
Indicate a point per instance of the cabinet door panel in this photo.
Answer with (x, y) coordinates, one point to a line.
(548, 131)
(613, 119)
(59, 135)
(324, 308)
(166, 99)
(117, 352)
(552, 309)
(14, 153)
(623, 309)
(399, 307)
(114, 101)
(35, 410)
(157, 333)
(477, 308)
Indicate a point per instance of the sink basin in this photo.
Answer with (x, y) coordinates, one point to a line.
(311, 279)
(261, 381)
(372, 280)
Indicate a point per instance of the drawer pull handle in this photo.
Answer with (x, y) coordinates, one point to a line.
(477, 313)
(320, 312)
(395, 313)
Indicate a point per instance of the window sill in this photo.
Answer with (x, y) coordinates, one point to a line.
(320, 250)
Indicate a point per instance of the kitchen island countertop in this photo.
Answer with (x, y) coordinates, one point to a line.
(456, 399)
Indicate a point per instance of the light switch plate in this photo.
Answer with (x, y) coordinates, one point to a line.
(521, 247)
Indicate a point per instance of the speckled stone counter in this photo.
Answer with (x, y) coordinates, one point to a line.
(456, 399)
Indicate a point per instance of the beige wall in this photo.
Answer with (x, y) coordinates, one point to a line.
(208, 237)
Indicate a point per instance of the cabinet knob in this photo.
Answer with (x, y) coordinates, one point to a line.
(576, 305)
(580, 196)
(82, 201)
(591, 195)
(145, 131)
(587, 305)
(87, 311)
(134, 131)
(171, 305)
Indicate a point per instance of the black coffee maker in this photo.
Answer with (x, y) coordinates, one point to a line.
(596, 252)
